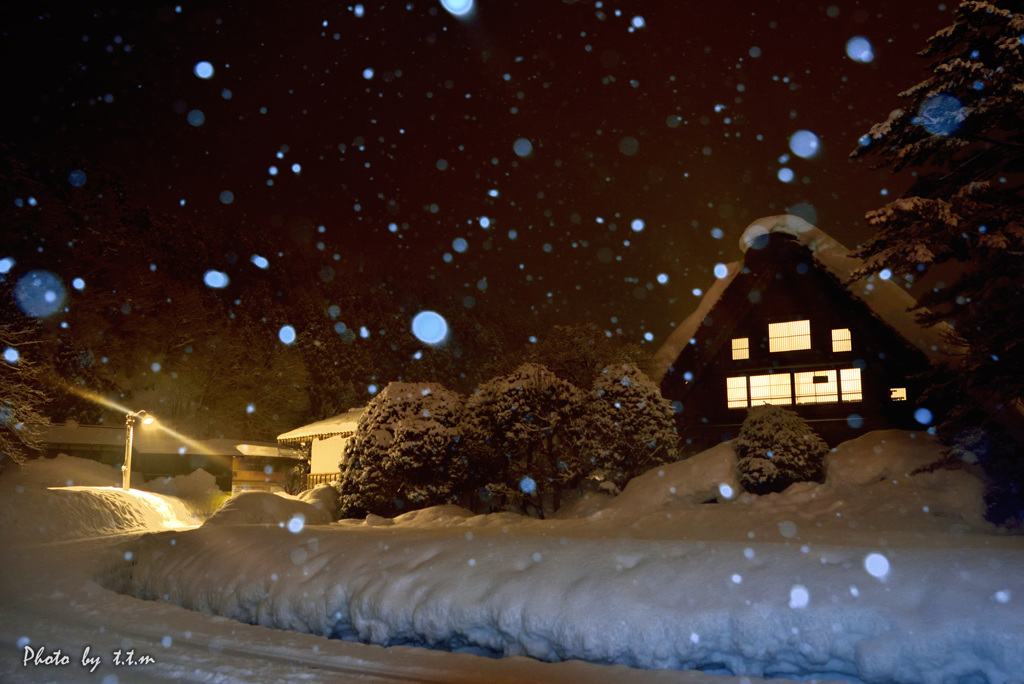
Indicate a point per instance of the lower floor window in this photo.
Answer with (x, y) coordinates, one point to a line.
(816, 387)
(771, 389)
(809, 387)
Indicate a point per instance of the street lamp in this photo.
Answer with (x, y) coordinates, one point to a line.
(129, 426)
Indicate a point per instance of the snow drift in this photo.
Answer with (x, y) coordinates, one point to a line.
(879, 574)
(68, 498)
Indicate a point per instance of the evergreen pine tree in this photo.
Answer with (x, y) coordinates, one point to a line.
(403, 455)
(775, 448)
(633, 425)
(525, 433)
(961, 137)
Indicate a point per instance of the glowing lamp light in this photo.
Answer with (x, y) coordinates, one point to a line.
(129, 426)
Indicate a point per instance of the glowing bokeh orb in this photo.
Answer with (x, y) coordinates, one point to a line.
(522, 147)
(429, 327)
(39, 294)
(941, 114)
(203, 70)
(804, 144)
(286, 334)
(799, 597)
(216, 279)
(877, 565)
(859, 49)
(458, 8)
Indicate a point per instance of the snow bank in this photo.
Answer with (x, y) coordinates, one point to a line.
(876, 574)
(756, 609)
(705, 477)
(267, 508)
(63, 471)
(68, 498)
(324, 497)
(196, 485)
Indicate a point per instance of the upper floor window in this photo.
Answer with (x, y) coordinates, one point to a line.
(898, 393)
(841, 340)
(740, 348)
(789, 336)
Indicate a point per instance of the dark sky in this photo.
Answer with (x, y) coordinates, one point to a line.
(559, 156)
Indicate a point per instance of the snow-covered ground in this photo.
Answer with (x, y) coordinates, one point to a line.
(874, 576)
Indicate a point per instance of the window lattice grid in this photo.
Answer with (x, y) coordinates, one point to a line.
(771, 389)
(816, 387)
(789, 336)
(740, 348)
(736, 392)
(898, 393)
(849, 384)
(842, 341)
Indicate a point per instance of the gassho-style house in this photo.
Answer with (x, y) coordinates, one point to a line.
(788, 326)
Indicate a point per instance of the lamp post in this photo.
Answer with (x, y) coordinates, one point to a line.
(129, 426)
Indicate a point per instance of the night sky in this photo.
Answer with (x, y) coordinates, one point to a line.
(577, 161)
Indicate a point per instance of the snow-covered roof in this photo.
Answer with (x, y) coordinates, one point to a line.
(886, 299)
(148, 440)
(342, 424)
(684, 332)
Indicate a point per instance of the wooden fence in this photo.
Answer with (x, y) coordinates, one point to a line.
(310, 480)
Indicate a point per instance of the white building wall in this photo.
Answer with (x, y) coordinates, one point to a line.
(326, 454)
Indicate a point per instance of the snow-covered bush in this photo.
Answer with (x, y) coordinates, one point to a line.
(403, 454)
(776, 448)
(632, 426)
(525, 433)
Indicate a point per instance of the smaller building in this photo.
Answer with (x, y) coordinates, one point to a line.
(263, 468)
(157, 453)
(327, 442)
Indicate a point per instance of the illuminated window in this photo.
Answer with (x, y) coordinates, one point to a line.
(849, 384)
(771, 389)
(898, 393)
(789, 336)
(740, 348)
(816, 387)
(736, 392)
(841, 340)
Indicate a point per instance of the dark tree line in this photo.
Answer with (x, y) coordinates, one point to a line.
(140, 327)
(959, 136)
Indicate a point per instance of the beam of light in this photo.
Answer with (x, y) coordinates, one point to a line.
(103, 401)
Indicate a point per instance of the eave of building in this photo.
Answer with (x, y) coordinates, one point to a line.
(308, 437)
